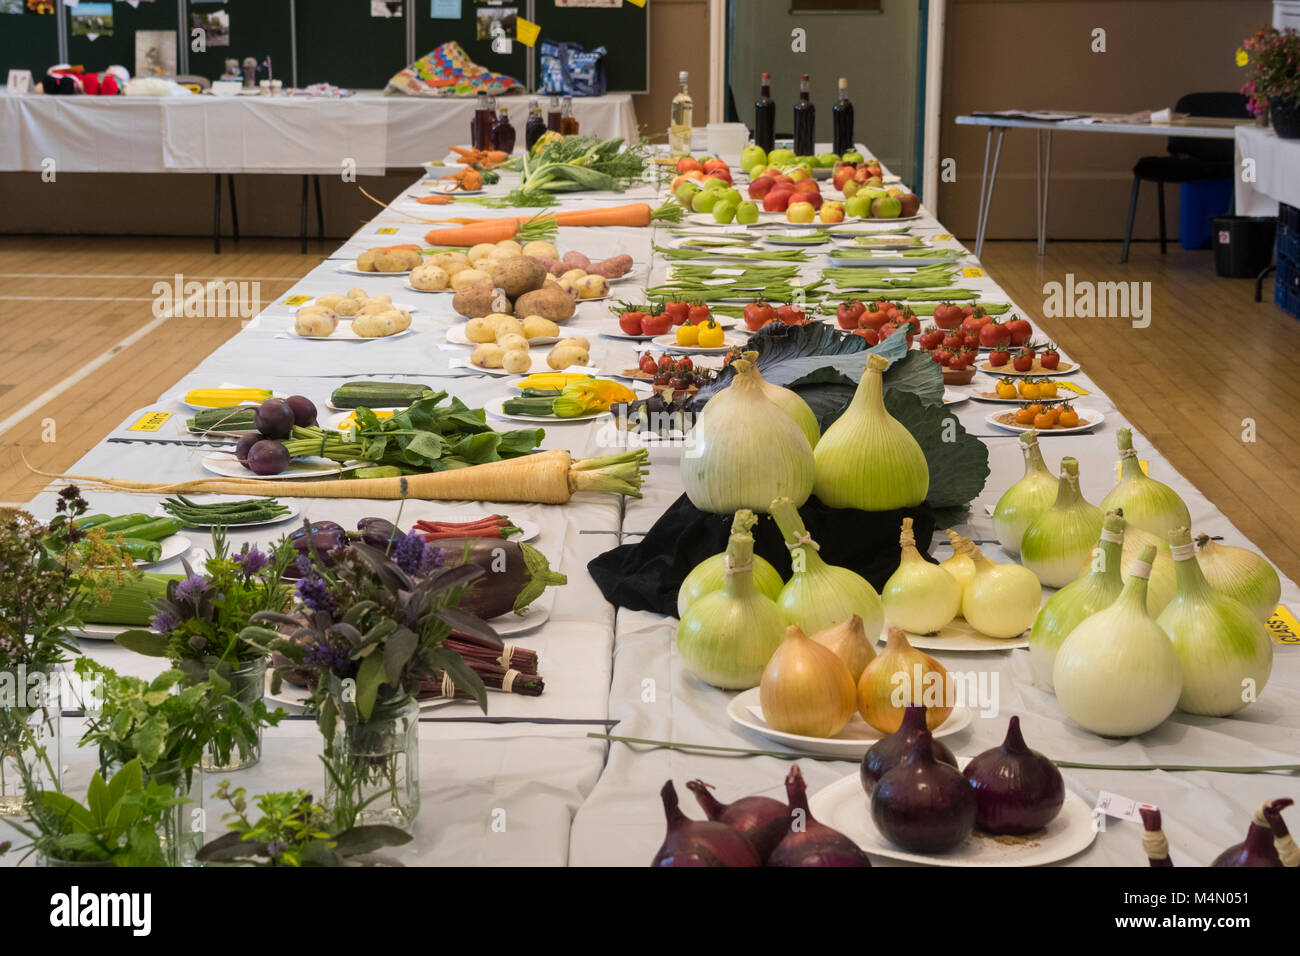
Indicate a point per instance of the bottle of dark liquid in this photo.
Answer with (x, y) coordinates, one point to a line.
(481, 127)
(842, 121)
(536, 124)
(805, 121)
(554, 115)
(503, 133)
(568, 122)
(765, 116)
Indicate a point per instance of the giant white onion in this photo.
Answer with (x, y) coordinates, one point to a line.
(919, 596)
(1093, 591)
(1148, 504)
(820, 595)
(711, 573)
(1000, 600)
(788, 401)
(1242, 574)
(1117, 674)
(1225, 651)
(745, 451)
(1026, 499)
(1160, 584)
(1062, 536)
(726, 637)
(868, 459)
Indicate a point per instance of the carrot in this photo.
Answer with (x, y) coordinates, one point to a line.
(549, 478)
(474, 232)
(433, 200)
(496, 157)
(406, 245)
(634, 214)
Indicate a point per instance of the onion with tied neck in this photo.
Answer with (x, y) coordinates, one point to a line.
(1022, 503)
(745, 450)
(1240, 573)
(919, 596)
(960, 565)
(711, 573)
(788, 401)
(1267, 841)
(1000, 600)
(1226, 653)
(1148, 504)
(1061, 538)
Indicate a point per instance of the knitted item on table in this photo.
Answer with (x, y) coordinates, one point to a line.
(448, 71)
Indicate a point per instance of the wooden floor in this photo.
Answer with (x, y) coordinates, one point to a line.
(1211, 361)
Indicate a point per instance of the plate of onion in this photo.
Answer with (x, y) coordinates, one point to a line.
(845, 807)
(1089, 418)
(958, 635)
(853, 741)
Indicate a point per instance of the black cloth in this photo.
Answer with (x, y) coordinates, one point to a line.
(646, 575)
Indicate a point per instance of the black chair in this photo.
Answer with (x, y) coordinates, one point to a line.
(1189, 160)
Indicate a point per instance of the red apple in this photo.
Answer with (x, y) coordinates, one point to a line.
(783, 180)
(760, 187)
(832, 212)
(813, 199)
(723, 174)
(806, 186)
(842, 176)
(686, 163)
(713, 164)
(777, 200)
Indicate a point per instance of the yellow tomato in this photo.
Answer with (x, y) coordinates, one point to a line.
(1047, 390)
(711, 335)
(1029, 390)
(688, 334)
(1006, 389)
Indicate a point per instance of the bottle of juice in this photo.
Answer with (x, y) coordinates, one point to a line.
(555, 116)
(481, 127)
(842, 121)
(503, 133)
(536, 124)
(765, 116)
(805, 121)
(568, 122)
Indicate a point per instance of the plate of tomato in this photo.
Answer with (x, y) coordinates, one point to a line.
(669, 343)
(758, 314)
(1027, 360)
(1048, 418)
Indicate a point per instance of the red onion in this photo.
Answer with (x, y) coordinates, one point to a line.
(1258, 849)
(1154, 844)
(886, 753)
(699, 842)
(1017, 790)
(923, 805)
(807, 842)
(761, 820)
(1283, 842)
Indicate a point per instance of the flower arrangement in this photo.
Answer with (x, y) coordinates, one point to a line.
(1272, 60)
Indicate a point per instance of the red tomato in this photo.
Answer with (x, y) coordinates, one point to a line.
(947, 316)
(758, 314)
(873, 318)
(937, 356)
(1020, 331)
(993, 334)
(685, 364)
(848, 313)
(665, 363)
(1023, 361)
(952, 340)
(967, 310)
(647, 364)
(676, 312)
(970, 340)
(656, 324)
(1051, 358)
(871, 335)
(970, 324)
(632, 322)
(698, 314)
(957, 362)
(886, 330)
(791, 315)
(931, 338)
(999, 356)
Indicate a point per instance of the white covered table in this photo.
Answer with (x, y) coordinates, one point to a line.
(1276, 171)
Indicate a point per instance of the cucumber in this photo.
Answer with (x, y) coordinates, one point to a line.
(142, 550)
(154, 530)
(121, 523)
(377, 394)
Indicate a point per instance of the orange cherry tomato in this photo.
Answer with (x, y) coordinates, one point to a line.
(1024, 416)
(1069, 417)
(1043, 420)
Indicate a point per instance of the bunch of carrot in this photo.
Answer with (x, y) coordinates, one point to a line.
(493, 526)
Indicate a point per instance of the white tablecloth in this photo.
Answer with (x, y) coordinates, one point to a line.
(1277, 171)
(257, 134)
(572, 800)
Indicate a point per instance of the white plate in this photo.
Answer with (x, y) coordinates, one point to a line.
(456, 336)
(344, 333)
(296, 697)
(846, 807)
(100, 632)
(512, 623)
(173, 546)
(1032, 373)
(853, 741)
(348, 318)
(352, 270)
(447, 189)
(180, 399)
(777, 239)
(224, 464)
(536, 356)
(213, 499)
(493, 408)
(617, 333)
(1062, 395)
(1089, 418)
(952, 396)
(957, 635)
(407, 282)
(669, 344)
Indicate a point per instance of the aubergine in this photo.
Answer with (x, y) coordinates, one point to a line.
(515, 574)
(379, 532)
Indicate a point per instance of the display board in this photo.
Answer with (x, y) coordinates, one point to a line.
(341, 43)
(258, 28)
(623, 31)
(28, 42)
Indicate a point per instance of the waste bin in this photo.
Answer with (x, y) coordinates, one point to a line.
(1198, 203)
(1243, 245)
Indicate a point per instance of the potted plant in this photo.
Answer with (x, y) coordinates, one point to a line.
(368, 627)
(167, 724)
(120, 824)
(197, 626)
(293, 830)
(1272, 60)
(51, 572)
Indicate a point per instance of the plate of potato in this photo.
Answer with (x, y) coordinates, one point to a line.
(490, 328)
(510, 353)
(353, 316)
(386, 260)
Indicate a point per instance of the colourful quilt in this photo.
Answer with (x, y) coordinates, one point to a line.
(448, 71)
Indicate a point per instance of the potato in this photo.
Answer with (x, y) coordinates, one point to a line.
(564, 356)
(569, 288)
(349, 306)
(474, 301)
(412, 257)
(315, 321)
(469, 277)
(536, 327)
(377, 326)
(553, 304)
(455, 268)
(443, 259)
(381, 298)
(374, 307)
(366, 261)
(429, 278)
(481, 251)
(403, 319)
(512, 341)
(480, 330)
(357, 294)
(573, 275)
(502, 255)
(511, 245)
(393, 261)
(328, 301)
(487, 355)
(508, 325)
(517, 361)
(593, 287)
(541, 249)
(575, 340)
(518, 275)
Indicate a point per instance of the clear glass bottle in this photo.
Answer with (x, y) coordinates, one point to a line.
(568, 122)
(503, 133)
(555, 116)
(765, 115)
(536, 124)
(805, 121)
(842, 121)
(679, 126)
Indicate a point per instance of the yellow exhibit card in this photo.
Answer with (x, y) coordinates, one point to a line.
(151, 422)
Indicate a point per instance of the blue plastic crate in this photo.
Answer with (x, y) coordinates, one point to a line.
(1288, 221)
(1286, 290)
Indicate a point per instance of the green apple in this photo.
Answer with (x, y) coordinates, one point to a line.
(827, 161)
(747, 213)
(724, 212)
(852, 157)
(686, 191)
(780, 157)
(757, 170)
(851, 188)
(800, 212)
(753, 155)
(886, 207)
(716, 185)
(858, 206)
(733, 196)
(704, 200)
(873, 192)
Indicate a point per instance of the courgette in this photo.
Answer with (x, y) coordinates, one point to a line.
(377, 394)
(121, 523)
(154, 529)
(130, 601)
(142, 550)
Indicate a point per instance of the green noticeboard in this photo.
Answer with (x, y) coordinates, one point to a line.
(623, 32)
